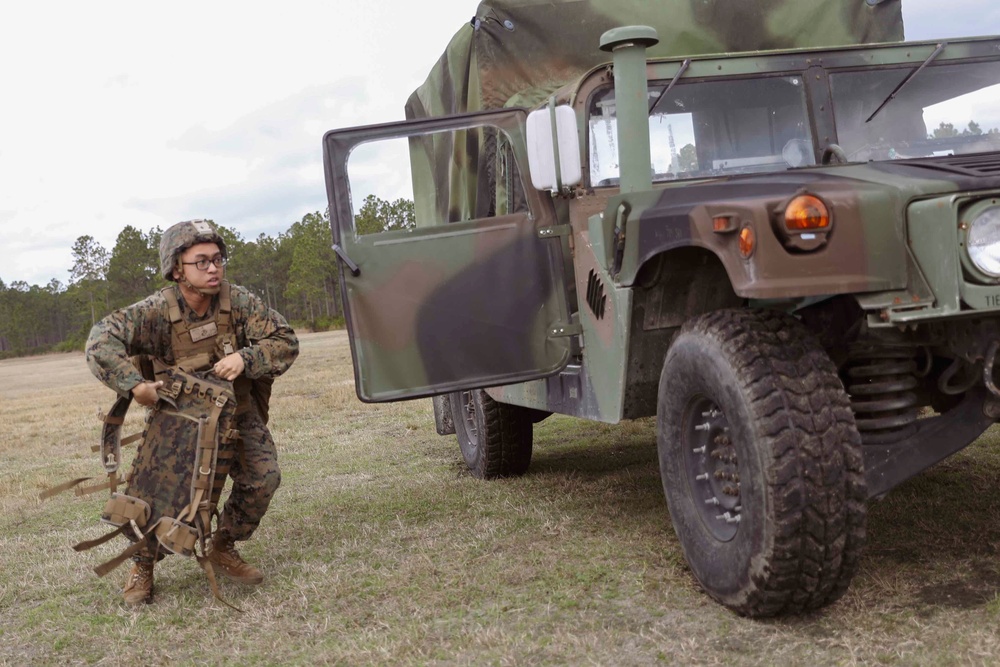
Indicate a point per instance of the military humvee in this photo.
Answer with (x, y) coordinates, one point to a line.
(791, 257)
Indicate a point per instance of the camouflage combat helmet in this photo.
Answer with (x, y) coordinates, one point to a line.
(182, 236)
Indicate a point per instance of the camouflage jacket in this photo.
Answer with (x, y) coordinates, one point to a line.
(266, 342)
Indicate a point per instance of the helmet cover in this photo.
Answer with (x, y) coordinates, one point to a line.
(182, 236)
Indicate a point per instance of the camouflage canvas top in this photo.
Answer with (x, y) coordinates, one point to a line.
(267, 343)
(517, 52)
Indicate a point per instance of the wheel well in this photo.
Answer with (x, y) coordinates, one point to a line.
(669, 289)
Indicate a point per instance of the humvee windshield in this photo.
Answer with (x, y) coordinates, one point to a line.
(704, 129)
(711, 128)
(942, 110)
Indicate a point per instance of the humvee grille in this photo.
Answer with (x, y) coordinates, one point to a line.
(973, 164)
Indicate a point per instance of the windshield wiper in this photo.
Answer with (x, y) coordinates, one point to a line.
(908, 78)
(680, 73)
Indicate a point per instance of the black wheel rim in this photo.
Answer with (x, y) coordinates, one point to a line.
(469, 418)
(712, 467)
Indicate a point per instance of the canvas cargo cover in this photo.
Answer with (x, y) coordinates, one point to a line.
(545, 45)
(515, 53)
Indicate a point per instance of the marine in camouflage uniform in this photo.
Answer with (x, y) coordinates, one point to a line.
(193, 255)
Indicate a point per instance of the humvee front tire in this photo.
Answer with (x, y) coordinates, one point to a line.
(495, 438)
(761, 463)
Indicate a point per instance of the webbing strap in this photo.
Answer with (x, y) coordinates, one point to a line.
(225, 303)
(111, 434)
(104, 568)
(111, 482)
(48, 493)
(206, 458)
(178, 326)
(89, 544)
(125, 441)
(191, 510)
(223, 318)
(173, 309)
(210, 574)
(110, 449)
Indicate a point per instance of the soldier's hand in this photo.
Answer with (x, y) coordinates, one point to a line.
(229, 367)
(145, 392)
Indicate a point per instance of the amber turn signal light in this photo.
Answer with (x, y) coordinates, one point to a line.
(724, 223)
(748, 241)
(805, 213)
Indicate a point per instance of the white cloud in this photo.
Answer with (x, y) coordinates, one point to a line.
(123, 113)
(937, 19)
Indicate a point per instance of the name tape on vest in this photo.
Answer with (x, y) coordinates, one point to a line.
(204, 331)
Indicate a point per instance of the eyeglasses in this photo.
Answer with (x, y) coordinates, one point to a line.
(202, 264)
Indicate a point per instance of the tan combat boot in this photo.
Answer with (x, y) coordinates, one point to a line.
(223, 555)
(139, 585)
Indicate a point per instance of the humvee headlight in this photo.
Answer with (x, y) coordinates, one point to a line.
(805, 213)
(803, 223)
(983, 241)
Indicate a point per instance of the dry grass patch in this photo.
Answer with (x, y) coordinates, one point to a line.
(380, 549)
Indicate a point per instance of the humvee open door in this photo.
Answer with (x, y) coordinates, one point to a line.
(453, 299)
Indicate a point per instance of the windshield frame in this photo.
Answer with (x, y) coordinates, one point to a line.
(814, 66)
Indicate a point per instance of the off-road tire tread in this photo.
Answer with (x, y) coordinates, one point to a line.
(815, 476)
(505, 439)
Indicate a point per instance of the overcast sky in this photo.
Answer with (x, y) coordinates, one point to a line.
(118, 113)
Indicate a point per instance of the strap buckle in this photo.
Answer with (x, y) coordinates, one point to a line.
(175, 389)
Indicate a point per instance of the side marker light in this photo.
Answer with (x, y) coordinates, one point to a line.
(748, 241)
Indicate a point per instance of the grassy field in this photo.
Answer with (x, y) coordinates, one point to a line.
(379, 549)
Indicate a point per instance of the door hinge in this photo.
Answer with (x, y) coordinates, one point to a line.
(563, 330)
(555, 230)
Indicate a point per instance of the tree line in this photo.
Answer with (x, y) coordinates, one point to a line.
(294, 272)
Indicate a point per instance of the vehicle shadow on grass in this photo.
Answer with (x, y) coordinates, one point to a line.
(939, 529)
(613, 467)
(563, 444)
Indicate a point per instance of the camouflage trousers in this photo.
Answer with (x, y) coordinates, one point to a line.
(256, 477)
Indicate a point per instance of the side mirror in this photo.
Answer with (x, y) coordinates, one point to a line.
(553, 148)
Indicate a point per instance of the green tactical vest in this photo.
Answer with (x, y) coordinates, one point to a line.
(199, 346)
